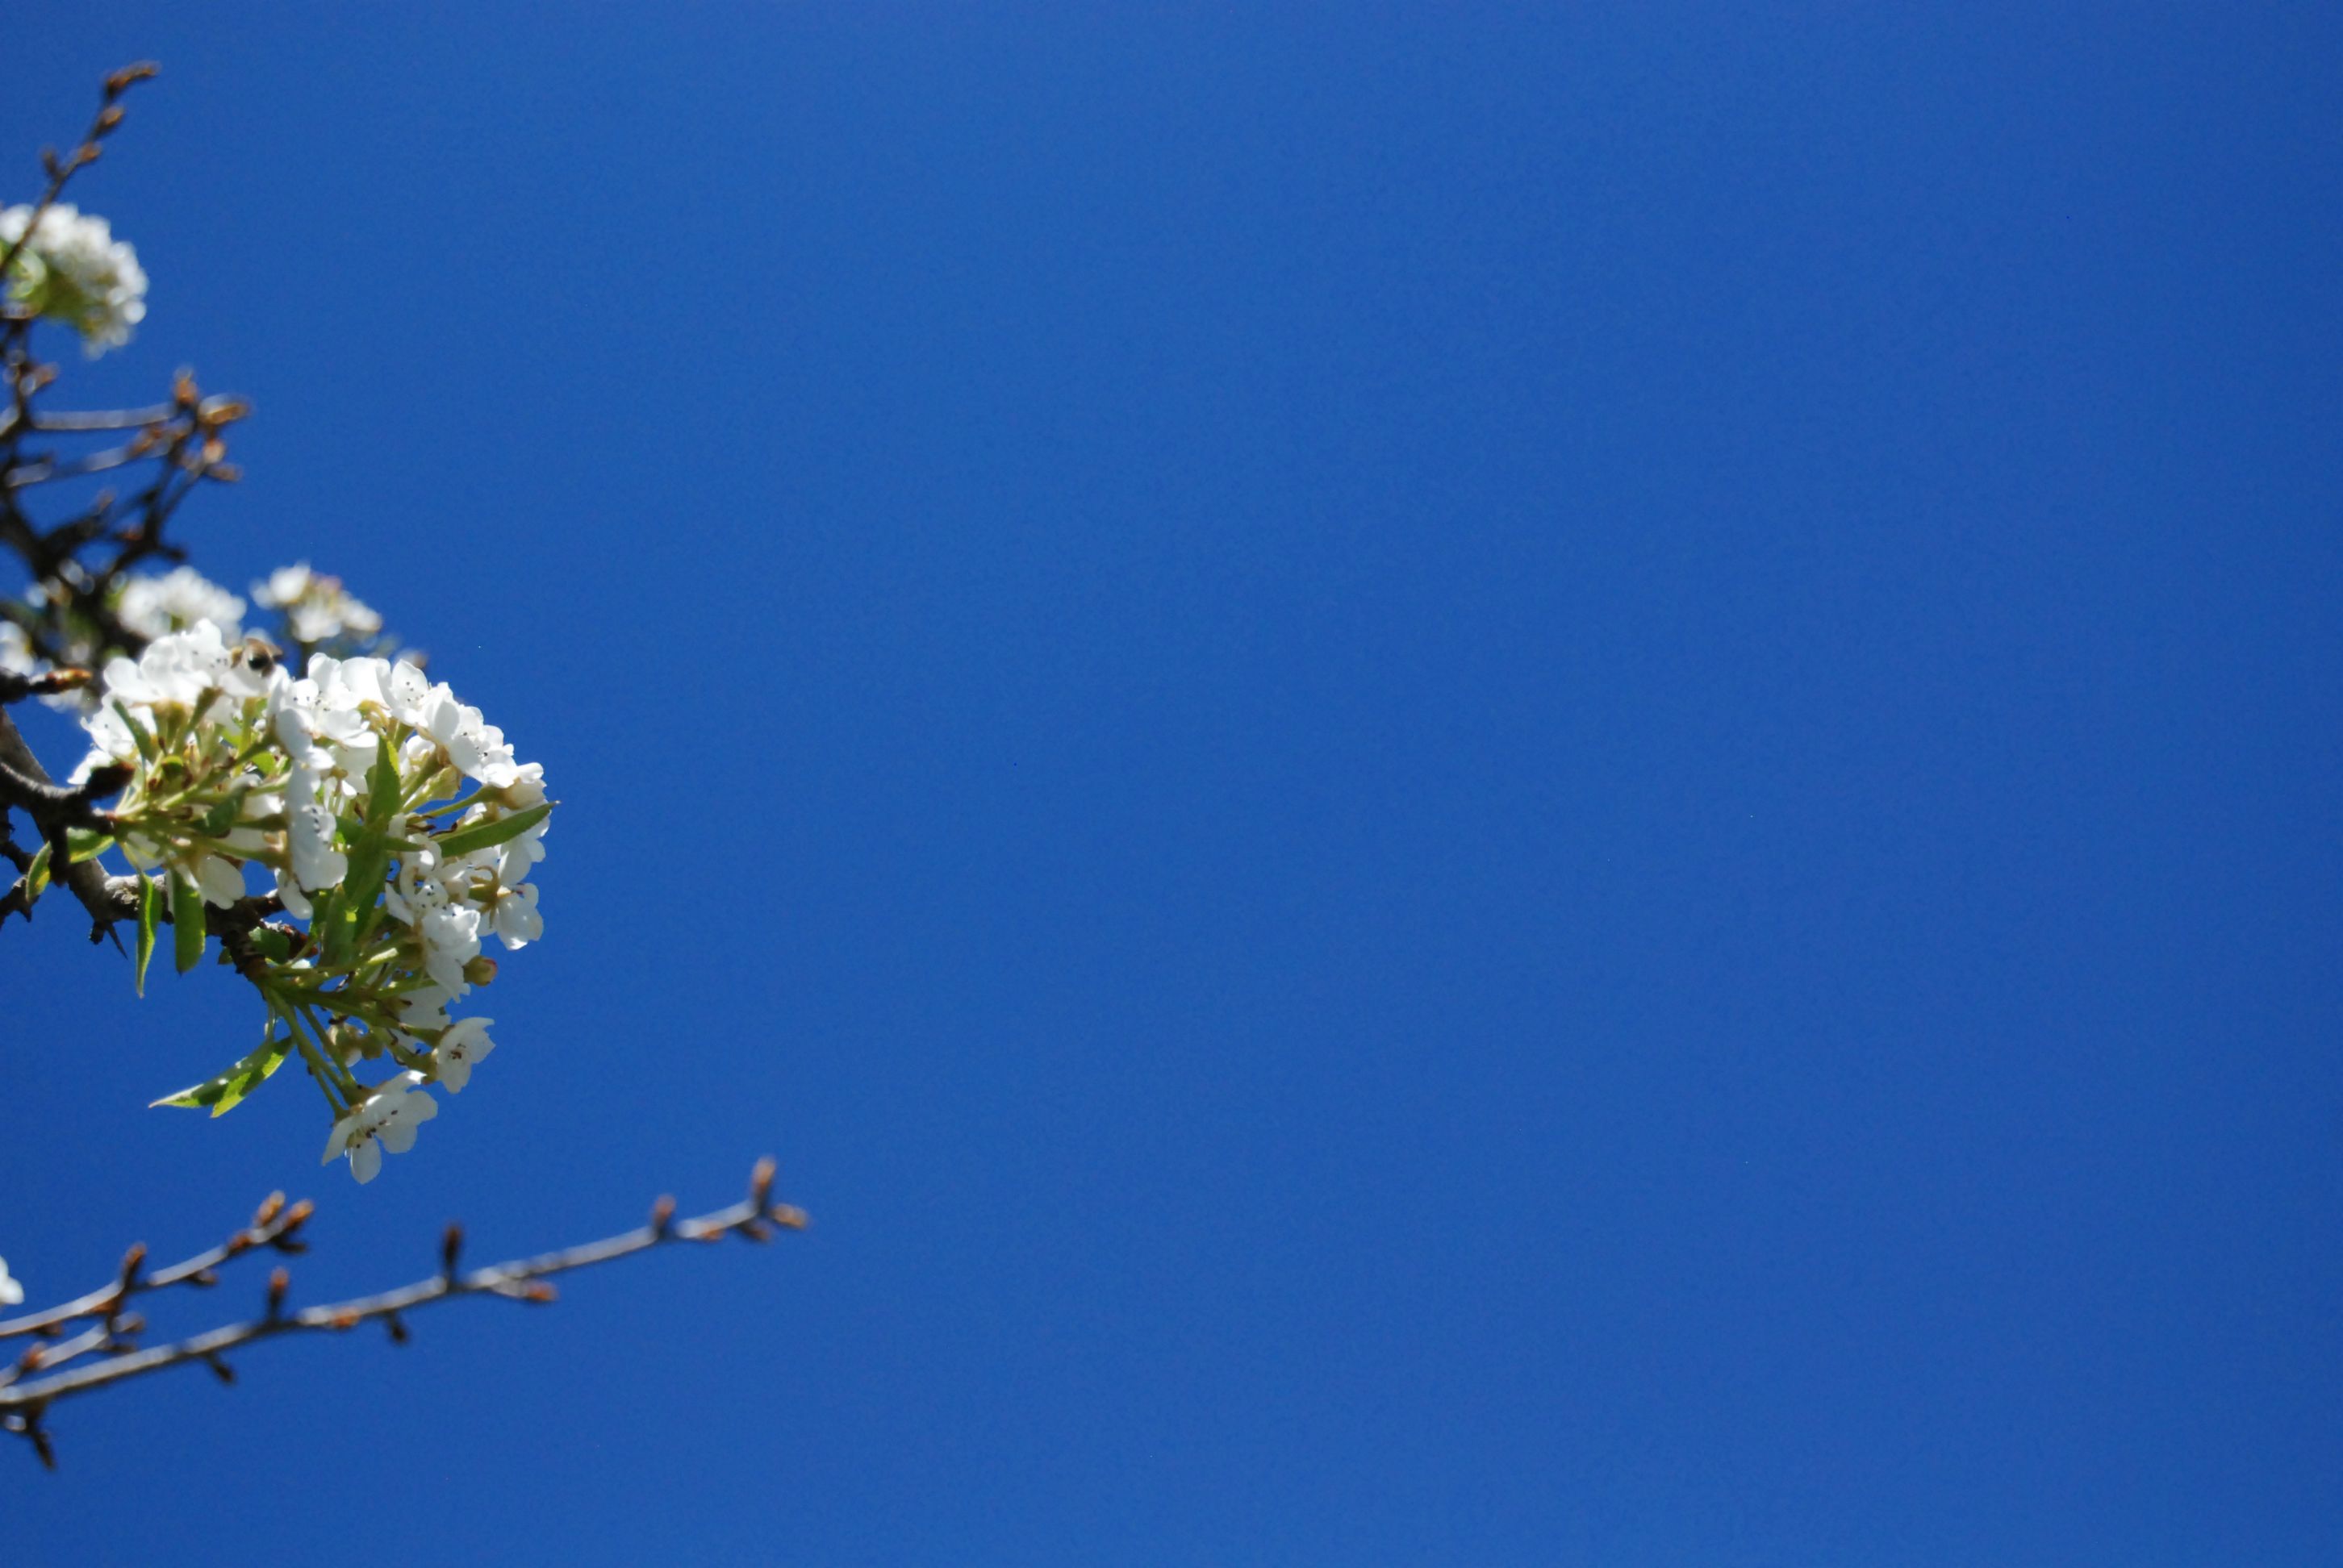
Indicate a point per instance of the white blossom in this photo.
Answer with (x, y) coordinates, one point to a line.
(476, 747)
(316, 607)
(465, 1045)
(513, 916)
(73, 270)
(385, 1119)
(237, 759)
(426, 1007)
(16, 649)
(155, 606)
(11, 1293)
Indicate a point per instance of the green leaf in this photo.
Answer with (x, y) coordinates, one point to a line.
(361, 886)
(86, 844)
(495, 830)
(187, 921)
(382, 787)
(272, 943)
(150, 912)
(222, 1093)
(139, 734)
(220, 820)
(36, 876)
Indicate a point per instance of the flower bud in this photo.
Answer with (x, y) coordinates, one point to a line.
(479, 969)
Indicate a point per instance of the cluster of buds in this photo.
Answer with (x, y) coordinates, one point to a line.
(395, 824)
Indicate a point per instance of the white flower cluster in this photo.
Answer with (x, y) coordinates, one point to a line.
(73, 270)
(156, 606)
(396, 822)
(316, 607)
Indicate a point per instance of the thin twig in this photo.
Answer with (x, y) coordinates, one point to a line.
(276, 1225)
(23, 1405)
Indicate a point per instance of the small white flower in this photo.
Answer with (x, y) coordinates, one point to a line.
(316, 608)
(513, 916)
(464, 1044)
(451, 939)
(476, 747)
(385, 1119)
(310, 836)
(425, 1008)
(11, 1293)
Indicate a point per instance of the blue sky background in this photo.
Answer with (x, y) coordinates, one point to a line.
(1463, 784)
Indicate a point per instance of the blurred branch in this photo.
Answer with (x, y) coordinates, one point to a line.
(61, 170)
(23, 1405)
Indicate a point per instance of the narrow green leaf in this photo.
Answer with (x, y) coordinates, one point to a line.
(222, 1093)
(86, 843)
(36, 876)
(495, 830)
(187, 921)
(150, 913)
(382, 787)
(361, 886)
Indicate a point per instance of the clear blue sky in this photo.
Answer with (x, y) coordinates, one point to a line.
(1463, 784)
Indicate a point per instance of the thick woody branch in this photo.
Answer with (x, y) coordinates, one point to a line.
(23, 1405)
(25, 785)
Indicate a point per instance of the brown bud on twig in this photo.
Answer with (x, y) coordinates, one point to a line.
(662, 1215)
(270, 1207)
(122, 81)
(108, 118)
(398, 1327)
(220, 1369)
(280, 1281)
(451, 1247)
(760, 1184)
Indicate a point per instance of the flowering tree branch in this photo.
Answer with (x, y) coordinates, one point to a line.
(395, 825)
(24, 1404)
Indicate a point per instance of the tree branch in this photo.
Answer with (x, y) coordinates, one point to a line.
(23, 1405)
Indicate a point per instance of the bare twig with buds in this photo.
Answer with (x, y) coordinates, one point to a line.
(40, 1377)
